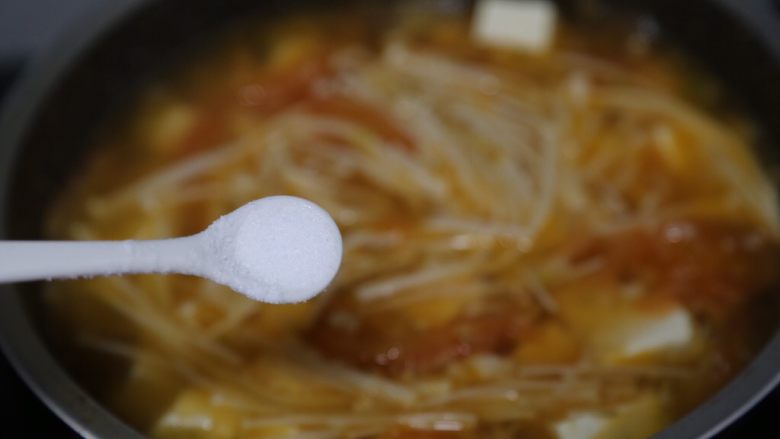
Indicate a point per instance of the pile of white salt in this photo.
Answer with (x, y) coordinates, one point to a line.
(278, 249)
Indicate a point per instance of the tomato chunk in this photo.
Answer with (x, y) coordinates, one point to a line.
(392, 346)
(712, 267)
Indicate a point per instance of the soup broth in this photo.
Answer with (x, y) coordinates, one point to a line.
(568, 243)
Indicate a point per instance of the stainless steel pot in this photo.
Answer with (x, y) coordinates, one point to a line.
(50, 115)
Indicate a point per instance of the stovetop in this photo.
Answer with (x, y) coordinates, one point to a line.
(23, 415)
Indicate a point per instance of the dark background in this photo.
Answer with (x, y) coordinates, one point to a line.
(27, 26)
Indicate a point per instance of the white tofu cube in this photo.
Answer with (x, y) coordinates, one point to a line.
(670, 330)
(638, 333)
(527, 25)
(582, 425)
(635, 419)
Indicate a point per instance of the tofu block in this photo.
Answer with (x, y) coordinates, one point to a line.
(670, 330)
(581, 425)
(192, 415)
(635, 334)
(635, 419)
(527, 25)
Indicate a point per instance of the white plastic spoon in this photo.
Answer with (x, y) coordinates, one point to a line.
(278, 249)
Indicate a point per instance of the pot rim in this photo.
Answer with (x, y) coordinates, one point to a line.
(19, 339)
(29, 356)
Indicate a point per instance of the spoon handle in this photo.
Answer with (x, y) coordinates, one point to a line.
(34, 260)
